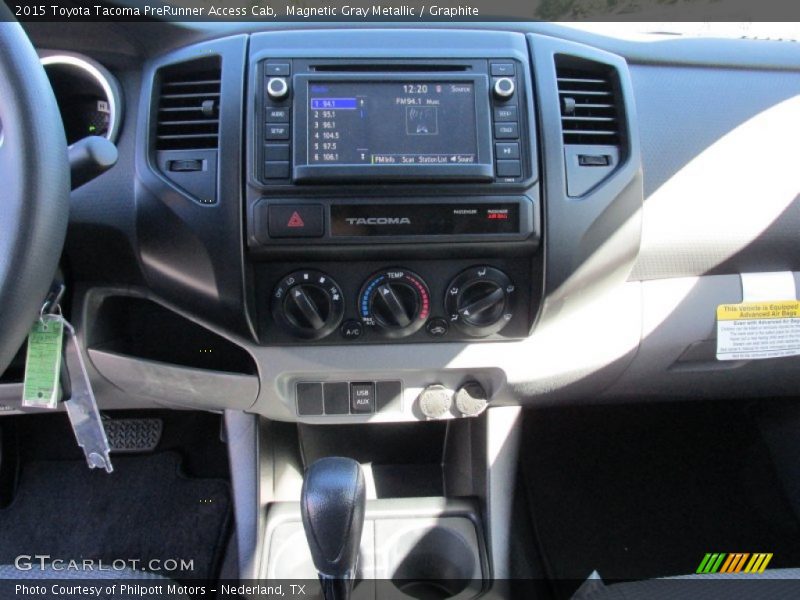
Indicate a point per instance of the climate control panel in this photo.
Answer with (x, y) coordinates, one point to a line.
(345, 303)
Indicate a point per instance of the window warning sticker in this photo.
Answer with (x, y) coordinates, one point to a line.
(753, 330)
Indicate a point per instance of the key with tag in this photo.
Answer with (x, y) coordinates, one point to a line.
(45, 381)
(43, 363)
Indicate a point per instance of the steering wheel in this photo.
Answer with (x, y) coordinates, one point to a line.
(34, 186)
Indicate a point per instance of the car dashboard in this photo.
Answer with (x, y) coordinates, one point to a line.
(384, 223)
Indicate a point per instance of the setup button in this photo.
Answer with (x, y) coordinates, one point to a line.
(505, 114)
(276, 132)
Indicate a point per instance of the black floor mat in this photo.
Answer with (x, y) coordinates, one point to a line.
(146, 510)
(637, 492)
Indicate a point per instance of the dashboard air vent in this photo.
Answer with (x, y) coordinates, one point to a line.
(188, 105)
(588, 97)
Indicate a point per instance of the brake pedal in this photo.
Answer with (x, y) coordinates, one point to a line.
(133, 435)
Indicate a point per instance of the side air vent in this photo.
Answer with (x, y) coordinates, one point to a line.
(590, 110)
(188, 105)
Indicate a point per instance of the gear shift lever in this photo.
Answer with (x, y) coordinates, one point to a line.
(332, 505)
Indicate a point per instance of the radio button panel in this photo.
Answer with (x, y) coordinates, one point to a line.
(275, 126)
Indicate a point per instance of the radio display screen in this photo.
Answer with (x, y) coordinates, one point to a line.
(404, 123)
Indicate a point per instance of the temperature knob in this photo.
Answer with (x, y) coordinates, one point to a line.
(394, 301)
(309, 304)
(479, 300)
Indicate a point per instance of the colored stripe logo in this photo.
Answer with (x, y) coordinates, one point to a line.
(734, 562)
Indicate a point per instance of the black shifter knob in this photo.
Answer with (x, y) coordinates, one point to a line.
(332, 505)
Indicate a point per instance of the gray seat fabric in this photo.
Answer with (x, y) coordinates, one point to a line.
(10, 576)
(773, 583)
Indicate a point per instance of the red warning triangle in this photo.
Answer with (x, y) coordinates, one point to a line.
(296, 220)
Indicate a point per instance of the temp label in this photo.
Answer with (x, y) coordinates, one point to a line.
(753, 330)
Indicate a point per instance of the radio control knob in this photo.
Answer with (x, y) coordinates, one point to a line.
(479, 301)
(435, 401)
(277, 88)
(504, 87)
(308, 304)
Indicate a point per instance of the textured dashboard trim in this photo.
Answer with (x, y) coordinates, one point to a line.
(592, 241)
(719, 148)
(191, 253)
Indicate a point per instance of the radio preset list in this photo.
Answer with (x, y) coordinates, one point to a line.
(391, 123)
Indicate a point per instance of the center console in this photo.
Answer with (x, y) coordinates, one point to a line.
(392, 200)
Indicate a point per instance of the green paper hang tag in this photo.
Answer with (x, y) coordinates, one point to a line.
(43, 363)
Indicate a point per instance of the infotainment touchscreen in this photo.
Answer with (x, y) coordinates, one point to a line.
(389, 123)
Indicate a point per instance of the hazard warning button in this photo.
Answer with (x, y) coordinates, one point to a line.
(296, 220)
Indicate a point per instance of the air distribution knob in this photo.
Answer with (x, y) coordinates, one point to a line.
(308, 304)
(395, 302)
(479, 301)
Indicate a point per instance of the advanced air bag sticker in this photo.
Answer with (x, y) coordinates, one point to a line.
(753, 330)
